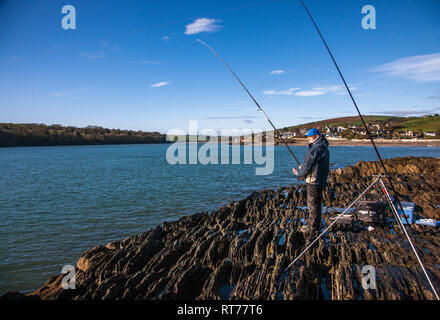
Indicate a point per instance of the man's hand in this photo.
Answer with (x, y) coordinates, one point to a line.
(295, 171)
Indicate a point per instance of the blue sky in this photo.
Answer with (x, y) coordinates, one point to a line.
(137, 65)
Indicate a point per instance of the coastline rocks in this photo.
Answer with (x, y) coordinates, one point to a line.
(240, 250)
(414, 178)
(91, 256)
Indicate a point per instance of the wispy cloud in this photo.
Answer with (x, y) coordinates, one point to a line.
(246, 119)
(231, 117)
(310, 93)
(338, 90)
(145, 62)
(408, 112)
(61, 47)
(93, 56)
(203, 25)
(63, 93)
(168, 37)
(13, 58)
(435, 97)
(277, 72)
(111, 47)
(286, 92)
(160, 84)
(10, 60)
(423, 68)
(101, 54)
(315, 91)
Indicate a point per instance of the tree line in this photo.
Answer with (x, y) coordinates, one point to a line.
(15, 135)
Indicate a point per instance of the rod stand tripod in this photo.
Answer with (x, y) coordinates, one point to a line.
(377, 179)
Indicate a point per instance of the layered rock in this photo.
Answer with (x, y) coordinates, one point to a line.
(240, 250)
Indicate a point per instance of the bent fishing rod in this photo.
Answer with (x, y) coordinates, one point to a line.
(377, 152)
(253, 99)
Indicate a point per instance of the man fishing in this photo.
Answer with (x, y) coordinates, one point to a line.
(314, 170)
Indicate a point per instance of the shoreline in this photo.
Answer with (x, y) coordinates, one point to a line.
(298, 142)
(381, 142)
(354, 143)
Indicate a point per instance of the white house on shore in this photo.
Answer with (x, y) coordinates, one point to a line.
(340, 129)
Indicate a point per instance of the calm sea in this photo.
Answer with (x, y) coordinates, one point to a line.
(57, 202)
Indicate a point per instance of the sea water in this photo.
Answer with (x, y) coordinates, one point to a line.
(58, 202)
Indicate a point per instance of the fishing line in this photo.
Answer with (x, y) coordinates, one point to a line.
(250, 95)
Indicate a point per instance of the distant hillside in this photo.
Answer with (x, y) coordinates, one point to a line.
(15, 135)
(425, 123)
(383, 127)
(345, 122)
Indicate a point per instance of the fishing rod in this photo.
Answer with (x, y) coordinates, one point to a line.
(375, 148)
(253, 99)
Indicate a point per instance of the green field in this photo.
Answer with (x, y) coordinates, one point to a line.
(425, 124)
(415, 124)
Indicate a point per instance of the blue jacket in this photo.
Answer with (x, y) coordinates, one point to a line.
(315, 167)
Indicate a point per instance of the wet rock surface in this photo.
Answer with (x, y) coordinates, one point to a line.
(240, 250)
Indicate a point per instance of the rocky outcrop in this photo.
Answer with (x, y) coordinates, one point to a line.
(240, 250)
(415, 179)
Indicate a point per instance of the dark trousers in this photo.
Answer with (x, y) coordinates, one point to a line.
(314, 198)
